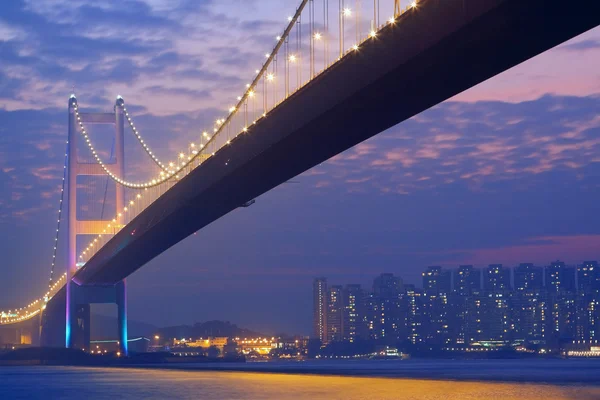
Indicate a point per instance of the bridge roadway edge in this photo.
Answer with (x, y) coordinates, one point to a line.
(278, 148)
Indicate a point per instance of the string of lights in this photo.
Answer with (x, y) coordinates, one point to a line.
(33, 308)
(60, 208)
(139, 137)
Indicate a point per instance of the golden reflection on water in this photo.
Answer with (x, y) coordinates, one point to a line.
(243, 385)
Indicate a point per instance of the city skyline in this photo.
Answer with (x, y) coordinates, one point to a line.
(506, 172)
(525, 308)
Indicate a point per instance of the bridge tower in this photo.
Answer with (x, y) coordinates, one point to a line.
(79, 297)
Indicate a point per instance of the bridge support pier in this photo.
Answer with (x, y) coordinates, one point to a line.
(78, 328)
(121, 289)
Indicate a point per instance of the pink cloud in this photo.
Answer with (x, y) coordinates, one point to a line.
(538, 250)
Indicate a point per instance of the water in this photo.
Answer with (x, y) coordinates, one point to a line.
(525, 380)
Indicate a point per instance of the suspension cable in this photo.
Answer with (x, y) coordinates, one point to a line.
(60, 208)
(140, 140)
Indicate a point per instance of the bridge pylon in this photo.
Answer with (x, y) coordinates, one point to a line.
(79, 297)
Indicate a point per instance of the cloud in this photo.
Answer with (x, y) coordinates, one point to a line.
(194, 94)
(537, 249)
(584, 45)
(478, 143)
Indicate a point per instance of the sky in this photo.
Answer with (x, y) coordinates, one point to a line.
(506, 172)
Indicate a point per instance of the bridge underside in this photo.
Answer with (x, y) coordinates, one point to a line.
(431, 54)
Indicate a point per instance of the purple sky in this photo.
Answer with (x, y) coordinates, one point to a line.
(506, 172)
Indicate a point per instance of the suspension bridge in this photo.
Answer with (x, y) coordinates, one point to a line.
(339, 72)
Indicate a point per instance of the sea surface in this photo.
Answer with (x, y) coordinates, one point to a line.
(412, 379)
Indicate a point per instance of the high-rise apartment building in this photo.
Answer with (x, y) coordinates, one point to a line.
(384, 316)
(497, 278)
(588, 276)
(562, 316)
(335, 314)
(528, 277)
(354, 310)
(560, 277)
(467, 280)
(387, 285)
(320, 309)
(530, 313)
(437, 280)
(588, 316)
(496, 319)
(415, 315)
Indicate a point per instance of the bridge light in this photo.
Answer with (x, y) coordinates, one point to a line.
(355, 47)
(347, 12)
(392, 20)
(293, 58)
(373, 34)
(270, 77)
(413, 4)
(317, 36)
(290, 19)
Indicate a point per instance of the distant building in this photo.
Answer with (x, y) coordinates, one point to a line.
(588, 316)
(335, 314)
(562, 319)
(588, 276)
(320, 309)
(474, 315)
(354, 313)
(413, 300)
(437, 280)
(384, 317)
(496, 318)
(388, 286)
(467, 280)
(439, 317)
(528, 277)
(497, 278)
(530, 313)
(560, 277)
(203, 343)
(262, 346)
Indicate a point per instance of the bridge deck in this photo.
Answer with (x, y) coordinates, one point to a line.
(429, 55)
